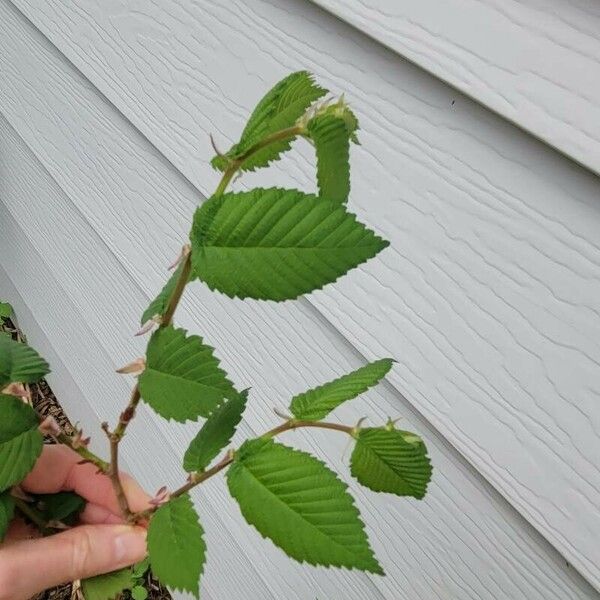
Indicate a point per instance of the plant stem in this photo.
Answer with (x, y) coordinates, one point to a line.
(128, 414)
(295, 424)
(113, 471)
(32, 514)
(195, 479)
(182, 281)
(201, 477)
(85, 454)
(198, 478)
(232, 169)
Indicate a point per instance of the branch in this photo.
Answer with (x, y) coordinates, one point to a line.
(113, 471)
(194, 480)
(296, 424)
(198, 478)
(232, 169)
(182, 281)
(128, 414)
(33, 515)
(49, 426)
(85, 454)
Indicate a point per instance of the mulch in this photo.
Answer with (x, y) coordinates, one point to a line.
(45, 403)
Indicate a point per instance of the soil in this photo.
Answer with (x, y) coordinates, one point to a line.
(45, 403)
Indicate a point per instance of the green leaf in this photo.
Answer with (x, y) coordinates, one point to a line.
(340, 110)
(140, 569)
(108, 586)
(279, 109)
(158, 306)
(276, 244)
(296, 501)
(317, 403)
(332, 145)
(175, 545)
(215, 434)
(62, 506)
(139, 593)
(19, 362)
(20, 441)
(389, 460)
(6, 310)
(182, 379)
(7, 508)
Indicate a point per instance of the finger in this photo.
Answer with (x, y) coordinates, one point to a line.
(59, 469)
(31, 566)
(20, 530)
(94, 514)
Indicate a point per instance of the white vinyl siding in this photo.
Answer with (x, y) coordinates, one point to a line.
(488, 297)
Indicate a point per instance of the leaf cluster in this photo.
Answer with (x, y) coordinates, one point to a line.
(263, 244)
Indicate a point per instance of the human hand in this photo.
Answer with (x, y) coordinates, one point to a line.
(102, 543)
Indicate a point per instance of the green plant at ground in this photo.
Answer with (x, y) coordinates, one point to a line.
(6, 310)
(266, 244)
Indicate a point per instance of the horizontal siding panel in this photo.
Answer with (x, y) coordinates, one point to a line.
(535, 62)
(489, 296)
(463, 541)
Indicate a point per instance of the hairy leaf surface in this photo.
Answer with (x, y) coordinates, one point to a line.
(108, 586)
(279, 109)
(332, 144)
(182, 379)
(215, 434)
(276, 244)
(317, 403)
(158, 306)
(175, 545)
(391, 461)
(7, 508)
(19, 362)
(20, 440)
(296, 501)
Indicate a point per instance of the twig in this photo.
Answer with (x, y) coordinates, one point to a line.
(33, 515)
(128, 414)
(296, 424)
(232, 169)
(184, 276)
(195, 479)
(113, 471)
(198, 478)
(85, 454)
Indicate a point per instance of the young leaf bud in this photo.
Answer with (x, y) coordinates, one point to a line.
(135, 367)
(149, 325)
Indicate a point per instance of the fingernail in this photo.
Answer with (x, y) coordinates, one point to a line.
(130, 545)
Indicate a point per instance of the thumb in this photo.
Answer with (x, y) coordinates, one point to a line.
(31, 566)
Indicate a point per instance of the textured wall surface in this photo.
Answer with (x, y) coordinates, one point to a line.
(489, 297)
(535, 62)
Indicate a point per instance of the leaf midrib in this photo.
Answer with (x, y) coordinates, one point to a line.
(390, 469)
(312, 526)
(182, 378)
(374, 243)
